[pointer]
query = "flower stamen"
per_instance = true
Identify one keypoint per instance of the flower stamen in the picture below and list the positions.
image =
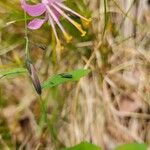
(77, 25)
(66, 35)
(73, 12)
(53, 27)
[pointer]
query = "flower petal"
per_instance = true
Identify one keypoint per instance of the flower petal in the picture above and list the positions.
(36, 23)
(33, 10)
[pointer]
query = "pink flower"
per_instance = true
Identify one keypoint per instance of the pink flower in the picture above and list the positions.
(52, 9)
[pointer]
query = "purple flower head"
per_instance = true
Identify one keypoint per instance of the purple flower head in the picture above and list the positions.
(52, 9)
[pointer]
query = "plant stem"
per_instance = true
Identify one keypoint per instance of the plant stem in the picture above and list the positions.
(105, 18)
(43, 117)
(26, 37)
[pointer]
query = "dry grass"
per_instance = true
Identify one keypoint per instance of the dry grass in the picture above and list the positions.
(109, 107)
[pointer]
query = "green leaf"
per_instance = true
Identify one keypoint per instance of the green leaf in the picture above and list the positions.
(132, 146)
(13, 72)
(84, 146)
(65, 77)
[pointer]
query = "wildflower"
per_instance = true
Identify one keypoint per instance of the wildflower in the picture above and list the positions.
(52, 9)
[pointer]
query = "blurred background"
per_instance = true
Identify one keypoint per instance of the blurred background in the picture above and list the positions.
(108, 107)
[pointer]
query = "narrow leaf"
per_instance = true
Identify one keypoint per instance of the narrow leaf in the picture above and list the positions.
(84, 146)
(65, 77)
(132, 146)
(12, 72)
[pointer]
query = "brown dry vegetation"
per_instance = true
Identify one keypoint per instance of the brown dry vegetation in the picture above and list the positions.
(108, 107)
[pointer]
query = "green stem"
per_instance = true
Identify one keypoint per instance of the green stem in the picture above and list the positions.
(105, 18)
(43, 117)
(26, 37)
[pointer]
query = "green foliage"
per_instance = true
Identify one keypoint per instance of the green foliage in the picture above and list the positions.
(64, 77)
(84, 146)
(13, 72)
(132, 146)
(88, 146)
(52, 81)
